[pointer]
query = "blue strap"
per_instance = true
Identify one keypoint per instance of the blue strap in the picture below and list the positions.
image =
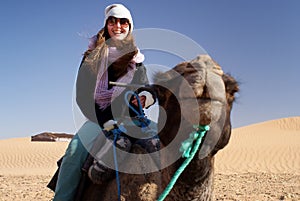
(117, 132)
(142, 121)
(138, 113)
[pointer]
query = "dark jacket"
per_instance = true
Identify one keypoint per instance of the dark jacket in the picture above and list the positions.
(85, 87)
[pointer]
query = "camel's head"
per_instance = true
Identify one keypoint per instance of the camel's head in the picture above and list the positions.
(198, 92)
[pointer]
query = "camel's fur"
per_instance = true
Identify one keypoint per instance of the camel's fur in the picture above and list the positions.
(211, 88)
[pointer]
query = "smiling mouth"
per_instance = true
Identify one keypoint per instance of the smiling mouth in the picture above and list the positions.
(118, 32)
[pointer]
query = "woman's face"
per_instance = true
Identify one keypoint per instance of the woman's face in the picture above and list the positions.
(118, 28)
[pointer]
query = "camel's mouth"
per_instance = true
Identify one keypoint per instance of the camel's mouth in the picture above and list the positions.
(201, 110)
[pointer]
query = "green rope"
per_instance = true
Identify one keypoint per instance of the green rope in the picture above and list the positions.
(189, 149)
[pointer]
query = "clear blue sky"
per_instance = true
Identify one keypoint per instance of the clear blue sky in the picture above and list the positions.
(42, 42)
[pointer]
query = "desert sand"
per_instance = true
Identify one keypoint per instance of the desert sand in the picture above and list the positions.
(261, 162)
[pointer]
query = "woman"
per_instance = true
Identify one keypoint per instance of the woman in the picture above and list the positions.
(111, 56)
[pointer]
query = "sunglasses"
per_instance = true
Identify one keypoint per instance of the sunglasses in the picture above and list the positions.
(124, 22)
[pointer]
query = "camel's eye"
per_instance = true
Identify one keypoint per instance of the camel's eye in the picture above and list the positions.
(189, 65)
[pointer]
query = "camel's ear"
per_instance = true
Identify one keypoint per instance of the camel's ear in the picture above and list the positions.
(231, 87)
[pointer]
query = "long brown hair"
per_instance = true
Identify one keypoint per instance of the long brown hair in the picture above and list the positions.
(126, 46)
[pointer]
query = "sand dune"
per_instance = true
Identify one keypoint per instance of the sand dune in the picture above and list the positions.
(272, 146)
(266, 153)
(20, 156)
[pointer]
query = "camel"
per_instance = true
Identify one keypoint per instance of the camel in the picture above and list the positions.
(195, 92)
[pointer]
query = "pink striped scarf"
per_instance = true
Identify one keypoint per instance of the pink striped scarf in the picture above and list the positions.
(104, 96)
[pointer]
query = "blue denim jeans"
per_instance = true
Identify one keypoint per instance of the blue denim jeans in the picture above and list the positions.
(74, 158)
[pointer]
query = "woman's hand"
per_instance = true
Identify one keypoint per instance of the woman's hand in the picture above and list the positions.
(142, 100)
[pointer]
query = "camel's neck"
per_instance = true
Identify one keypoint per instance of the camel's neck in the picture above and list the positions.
(169, 122)
(195, 183)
